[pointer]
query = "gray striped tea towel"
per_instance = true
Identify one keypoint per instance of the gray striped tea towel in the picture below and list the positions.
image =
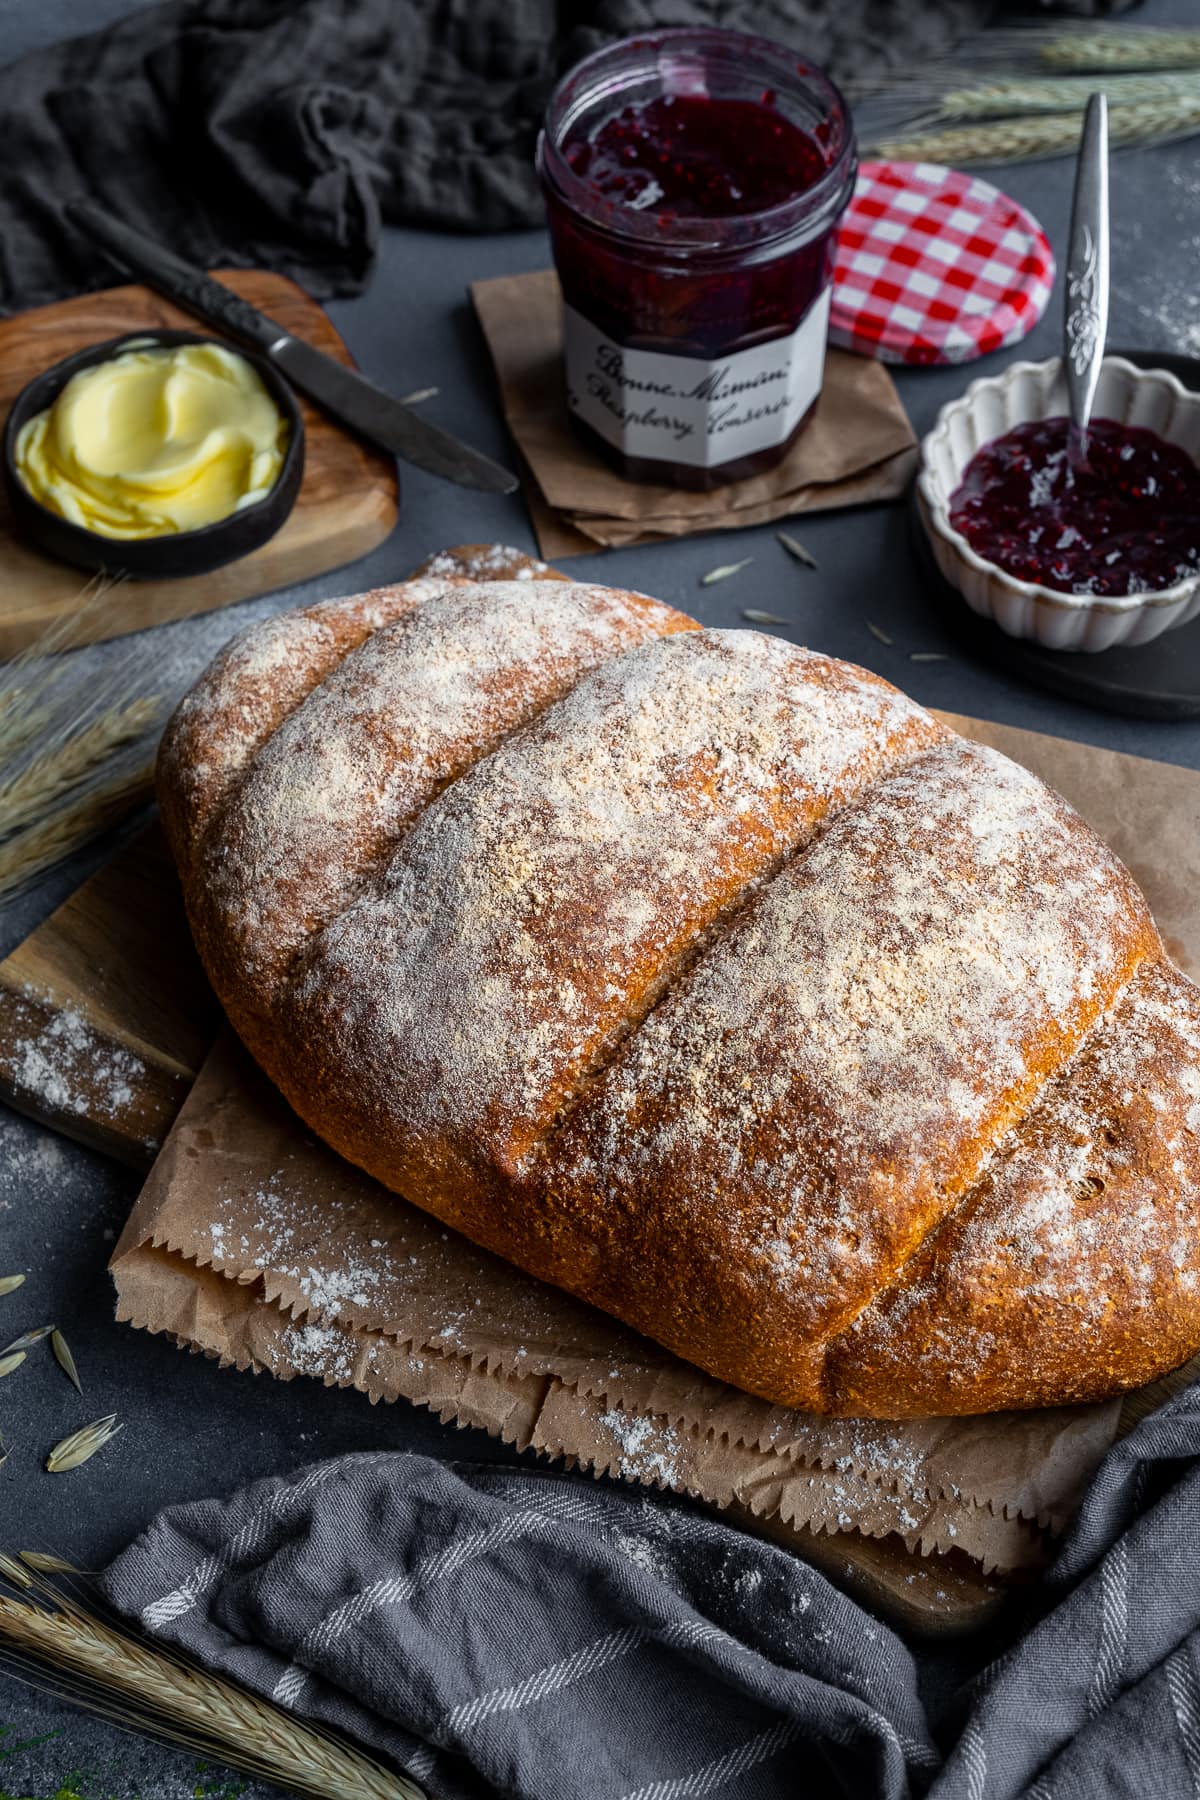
(498, 1630)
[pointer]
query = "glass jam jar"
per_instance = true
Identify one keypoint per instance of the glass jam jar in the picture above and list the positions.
(694, 180)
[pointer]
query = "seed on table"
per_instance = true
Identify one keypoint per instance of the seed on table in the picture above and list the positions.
(82, 1444)
(64, 1359)
(725, 571)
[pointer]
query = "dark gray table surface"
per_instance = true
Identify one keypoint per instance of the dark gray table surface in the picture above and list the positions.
(190, 1428)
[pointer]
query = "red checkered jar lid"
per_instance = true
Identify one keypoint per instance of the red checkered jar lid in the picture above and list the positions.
(934, 266)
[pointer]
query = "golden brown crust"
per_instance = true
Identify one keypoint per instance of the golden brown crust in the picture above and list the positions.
(450, 672)
(1071, 1270)
(708, 978)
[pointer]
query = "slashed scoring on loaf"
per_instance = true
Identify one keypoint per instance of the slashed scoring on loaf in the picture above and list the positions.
(828, 1080)
(1040, 1236)
(404, 713)
(539, 905)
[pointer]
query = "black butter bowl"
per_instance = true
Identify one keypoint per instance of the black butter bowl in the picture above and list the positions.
(176, 554)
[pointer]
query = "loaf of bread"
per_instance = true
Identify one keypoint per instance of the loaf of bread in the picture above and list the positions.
(709, 978)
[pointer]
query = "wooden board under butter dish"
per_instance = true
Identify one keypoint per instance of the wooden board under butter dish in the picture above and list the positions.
(348, 502)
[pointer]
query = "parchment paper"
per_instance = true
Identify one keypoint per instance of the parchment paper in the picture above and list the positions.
(858, 447)
(255, 1243)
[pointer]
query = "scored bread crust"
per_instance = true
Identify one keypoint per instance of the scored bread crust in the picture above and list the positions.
(708, 978)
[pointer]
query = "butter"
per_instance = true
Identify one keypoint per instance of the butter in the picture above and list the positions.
(156, 440)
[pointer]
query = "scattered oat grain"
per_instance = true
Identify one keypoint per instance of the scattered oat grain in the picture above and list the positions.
(795, 548)
(64, 1359)
(82, 1444)
(725, 571)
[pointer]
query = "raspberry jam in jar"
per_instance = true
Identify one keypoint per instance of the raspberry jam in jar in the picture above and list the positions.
(694, 181)
(1119, 516)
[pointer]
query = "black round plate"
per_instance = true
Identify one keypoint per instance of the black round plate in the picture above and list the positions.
(180, 553)
(1158, 680)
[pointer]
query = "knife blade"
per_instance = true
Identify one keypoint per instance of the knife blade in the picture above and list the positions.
(348, 396)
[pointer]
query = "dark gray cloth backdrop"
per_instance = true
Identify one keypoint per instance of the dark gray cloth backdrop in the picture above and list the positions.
(278, 133)
(545, 1637)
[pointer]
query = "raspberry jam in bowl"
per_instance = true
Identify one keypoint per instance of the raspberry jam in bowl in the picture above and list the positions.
(1117, 512)
(694, 181)
(1078, 546)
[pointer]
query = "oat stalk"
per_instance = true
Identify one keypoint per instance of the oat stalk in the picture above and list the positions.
(146, 1687)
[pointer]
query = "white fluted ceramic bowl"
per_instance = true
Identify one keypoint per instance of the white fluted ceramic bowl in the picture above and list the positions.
(1025, 609)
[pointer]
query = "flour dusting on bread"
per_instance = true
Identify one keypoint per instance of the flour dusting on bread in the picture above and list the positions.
(708, 978)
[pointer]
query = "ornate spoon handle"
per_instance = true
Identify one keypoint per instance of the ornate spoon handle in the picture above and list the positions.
(1085, 308)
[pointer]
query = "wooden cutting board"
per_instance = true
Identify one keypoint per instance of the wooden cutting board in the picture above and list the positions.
(348, 503)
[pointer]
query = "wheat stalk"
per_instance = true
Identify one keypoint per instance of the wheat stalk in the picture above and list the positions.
(1120, 47)
(29, 853)
(1028, 70)
(36, 672)
(50, 776)
(1019, 94)
(69, 728)
(1050, 134)
(20, 723)
(145, 1686)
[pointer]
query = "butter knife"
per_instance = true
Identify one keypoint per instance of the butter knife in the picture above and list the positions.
(341, 392)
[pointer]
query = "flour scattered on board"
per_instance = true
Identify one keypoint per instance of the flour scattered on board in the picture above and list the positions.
(67, 1065)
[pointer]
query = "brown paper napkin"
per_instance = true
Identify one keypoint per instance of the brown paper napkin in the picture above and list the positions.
(858, 447)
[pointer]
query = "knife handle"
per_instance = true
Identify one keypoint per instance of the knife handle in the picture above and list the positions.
(1085, 307)
(191, 288)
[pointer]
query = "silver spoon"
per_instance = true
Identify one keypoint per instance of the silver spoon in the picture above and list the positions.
(1085, 305)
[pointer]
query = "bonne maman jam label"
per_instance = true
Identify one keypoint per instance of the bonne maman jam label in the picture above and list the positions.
(685, 409)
